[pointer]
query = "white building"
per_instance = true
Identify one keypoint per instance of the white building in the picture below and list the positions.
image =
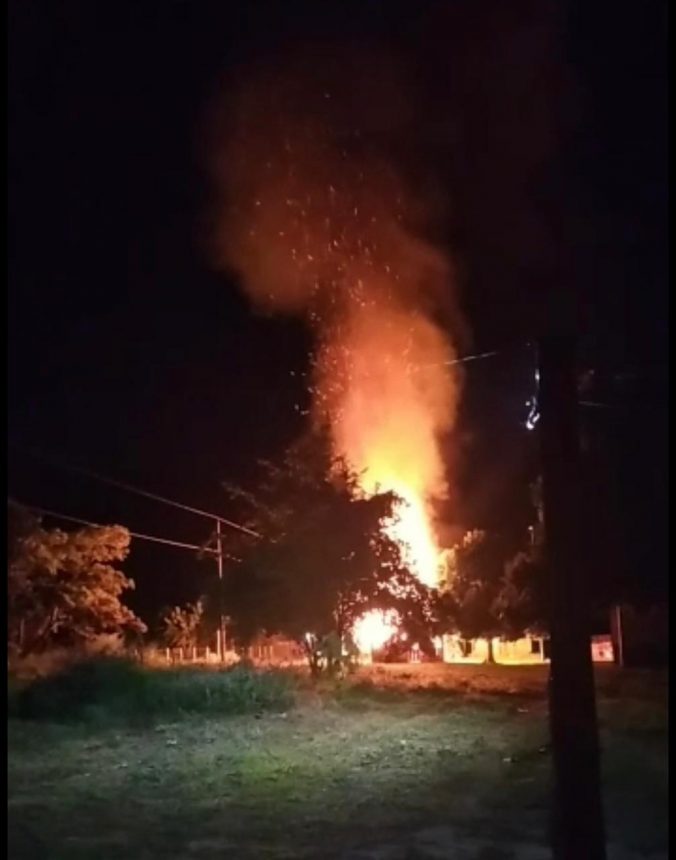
(526, 651)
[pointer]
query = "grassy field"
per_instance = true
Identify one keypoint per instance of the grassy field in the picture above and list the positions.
(399, 762)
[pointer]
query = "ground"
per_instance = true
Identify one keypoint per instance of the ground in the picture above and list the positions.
(414, 762)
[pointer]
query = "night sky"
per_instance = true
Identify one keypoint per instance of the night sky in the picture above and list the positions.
(131, 356)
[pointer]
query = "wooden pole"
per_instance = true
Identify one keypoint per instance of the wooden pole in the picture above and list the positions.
(578, 826)
(221, 619)
(619, 637)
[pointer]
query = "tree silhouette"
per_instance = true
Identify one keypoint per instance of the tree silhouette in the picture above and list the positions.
(323, 558)
(63, 587)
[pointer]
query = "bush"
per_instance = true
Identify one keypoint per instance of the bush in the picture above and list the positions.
(13, 697)
(114, 689)
(44, 663)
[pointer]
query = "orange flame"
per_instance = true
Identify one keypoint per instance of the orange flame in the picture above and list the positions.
(386, 388)
(413, 530)
(320, 223)
(374, 629)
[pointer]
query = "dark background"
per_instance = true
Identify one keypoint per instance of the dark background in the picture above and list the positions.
(130, 356)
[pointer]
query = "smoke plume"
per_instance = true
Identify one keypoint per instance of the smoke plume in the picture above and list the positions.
(318, 218)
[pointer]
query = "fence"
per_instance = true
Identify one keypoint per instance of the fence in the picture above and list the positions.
(194, 654)
(272, 651)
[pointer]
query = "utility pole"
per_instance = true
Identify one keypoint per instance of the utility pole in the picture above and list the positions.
(578, 826)
(618, 638)
(221, 620)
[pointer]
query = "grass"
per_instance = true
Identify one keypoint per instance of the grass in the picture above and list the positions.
(113, 689)
(415, 758)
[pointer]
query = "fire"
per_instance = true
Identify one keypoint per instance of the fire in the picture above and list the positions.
(318, 221)
(374, 629)
(413, 530)
(387, 402)
(411, 526)
(386, 391)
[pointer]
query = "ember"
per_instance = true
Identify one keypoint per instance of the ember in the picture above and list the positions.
(319, 222)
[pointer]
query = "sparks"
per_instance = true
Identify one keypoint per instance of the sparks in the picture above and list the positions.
(386, 381)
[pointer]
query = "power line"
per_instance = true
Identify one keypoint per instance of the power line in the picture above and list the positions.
(462, 360)
(595, 405)
(67, 518)
(466, 358)
(173, 503)
(140, 492)
(642, 407)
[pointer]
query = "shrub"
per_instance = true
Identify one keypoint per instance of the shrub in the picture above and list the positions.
(117, 689)
(44, 663)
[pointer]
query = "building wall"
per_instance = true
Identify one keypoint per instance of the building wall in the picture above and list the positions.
(522, 651)
(529, 650)
(602, 649)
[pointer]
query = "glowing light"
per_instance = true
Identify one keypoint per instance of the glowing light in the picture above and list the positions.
(375, 629)
(320, 230)
(387, 407)
(412, 530)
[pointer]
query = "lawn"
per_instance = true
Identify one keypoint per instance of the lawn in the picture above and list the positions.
(407, 762)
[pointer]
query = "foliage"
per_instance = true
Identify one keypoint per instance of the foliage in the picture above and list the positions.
(323, 557)
(493, 592)
(467, 605)
(520, 604)
(115, 689)
(182, 625)
(43, 663)
(62, 586)
(490, 595)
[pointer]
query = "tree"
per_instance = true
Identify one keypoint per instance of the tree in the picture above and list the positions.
(469, 603)
(491, 589)
(489, 594)
(323, 557)
(520, 605)
(182, 624)
(62, 586)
